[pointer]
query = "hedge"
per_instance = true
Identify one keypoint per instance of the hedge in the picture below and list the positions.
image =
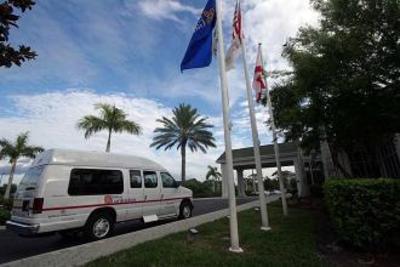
(6, 203)
(365, 212)
(4, 216)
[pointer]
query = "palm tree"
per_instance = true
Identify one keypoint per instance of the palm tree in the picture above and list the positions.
(14, 151)
(186, 128)
(111, 119)
(214, 174)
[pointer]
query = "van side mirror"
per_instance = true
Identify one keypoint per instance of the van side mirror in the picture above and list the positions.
(177, 184)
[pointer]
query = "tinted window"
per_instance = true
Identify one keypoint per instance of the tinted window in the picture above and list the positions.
(150, 179)
(136, 179)
(95, 182)
(167, 180)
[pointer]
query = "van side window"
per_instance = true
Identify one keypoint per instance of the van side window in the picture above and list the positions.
(95, 182)
(167, 180)
(150, 179)
(136, 179)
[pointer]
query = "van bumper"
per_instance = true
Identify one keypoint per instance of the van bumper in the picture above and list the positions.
(22, 228)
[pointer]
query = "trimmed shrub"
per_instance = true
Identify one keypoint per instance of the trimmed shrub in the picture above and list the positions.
(4, 216)
(201, 189)
(6, 203)
(4, 187)
(271, 184)
(365, 212)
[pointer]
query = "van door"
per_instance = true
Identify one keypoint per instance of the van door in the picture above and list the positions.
(152, 193)
(170, 200)
(135, 195)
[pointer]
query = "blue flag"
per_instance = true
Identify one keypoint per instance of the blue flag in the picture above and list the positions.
(199, 51)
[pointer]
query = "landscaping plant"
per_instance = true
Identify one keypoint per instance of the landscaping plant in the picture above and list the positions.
(365, 212)
(4, 216)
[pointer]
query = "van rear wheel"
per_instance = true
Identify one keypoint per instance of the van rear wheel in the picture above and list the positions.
(99, 226)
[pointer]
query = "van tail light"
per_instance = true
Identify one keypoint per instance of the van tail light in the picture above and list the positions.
(37, 205)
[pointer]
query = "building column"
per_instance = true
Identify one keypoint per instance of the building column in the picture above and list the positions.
(224, 181)
(326, 156)
(241, 183)
(305, 189)
(344, 160)
(396, 142)
(254, 182)
(301, 179)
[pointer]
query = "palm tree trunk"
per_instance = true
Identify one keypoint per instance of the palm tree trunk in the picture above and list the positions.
(183, 167)
(109, 141)
(10, 180)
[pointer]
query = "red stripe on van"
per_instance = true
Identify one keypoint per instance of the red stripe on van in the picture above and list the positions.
(101, 205)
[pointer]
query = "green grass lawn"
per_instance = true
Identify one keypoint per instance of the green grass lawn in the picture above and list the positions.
(290, 243)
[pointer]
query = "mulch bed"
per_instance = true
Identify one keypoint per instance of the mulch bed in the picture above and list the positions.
(338, 254)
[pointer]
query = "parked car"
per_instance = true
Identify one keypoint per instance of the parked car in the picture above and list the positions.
(66, 190)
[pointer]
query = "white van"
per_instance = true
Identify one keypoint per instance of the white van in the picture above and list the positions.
(66, 190)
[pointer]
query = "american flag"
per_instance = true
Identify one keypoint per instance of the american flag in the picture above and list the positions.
(237, 23)
(259, 82)
(237, 36)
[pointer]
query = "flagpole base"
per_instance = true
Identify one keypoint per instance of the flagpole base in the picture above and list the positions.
(236, 250)
(266, 229)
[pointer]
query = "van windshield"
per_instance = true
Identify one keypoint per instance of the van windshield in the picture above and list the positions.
(31, 177)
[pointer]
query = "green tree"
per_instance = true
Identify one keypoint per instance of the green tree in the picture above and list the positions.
(186, 129)
(213, 174)
(111, 119)
(10, 55)
(15, 150)
(346, 77)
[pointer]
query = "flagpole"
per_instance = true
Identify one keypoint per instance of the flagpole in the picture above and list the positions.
(234, 235)
(256, 144)
(276, 147)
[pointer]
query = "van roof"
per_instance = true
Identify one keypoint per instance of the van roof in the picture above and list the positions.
(95, 159)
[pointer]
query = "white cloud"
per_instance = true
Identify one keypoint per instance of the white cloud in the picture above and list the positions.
(165, 9)
(51, 119)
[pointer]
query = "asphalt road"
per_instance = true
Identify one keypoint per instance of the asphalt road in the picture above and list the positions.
(13, 247)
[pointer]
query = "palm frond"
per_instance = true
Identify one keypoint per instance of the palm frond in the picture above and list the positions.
(213, 172)
(31, 151)
(111, 118)
(20, 148)
(186, 127)
(91, 124)
(127, 126)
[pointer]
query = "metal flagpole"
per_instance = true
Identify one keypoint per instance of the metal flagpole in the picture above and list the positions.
(256, 144)
(276, 147)
(227, 136)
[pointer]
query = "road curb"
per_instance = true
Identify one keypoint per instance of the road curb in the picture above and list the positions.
(82, 254)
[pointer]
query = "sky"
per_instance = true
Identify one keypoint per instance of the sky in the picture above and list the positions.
(128, 53)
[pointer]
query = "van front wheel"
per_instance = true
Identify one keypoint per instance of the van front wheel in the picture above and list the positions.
(185, 210)
(99, 226)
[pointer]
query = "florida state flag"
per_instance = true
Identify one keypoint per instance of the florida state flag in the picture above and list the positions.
(259, 82)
